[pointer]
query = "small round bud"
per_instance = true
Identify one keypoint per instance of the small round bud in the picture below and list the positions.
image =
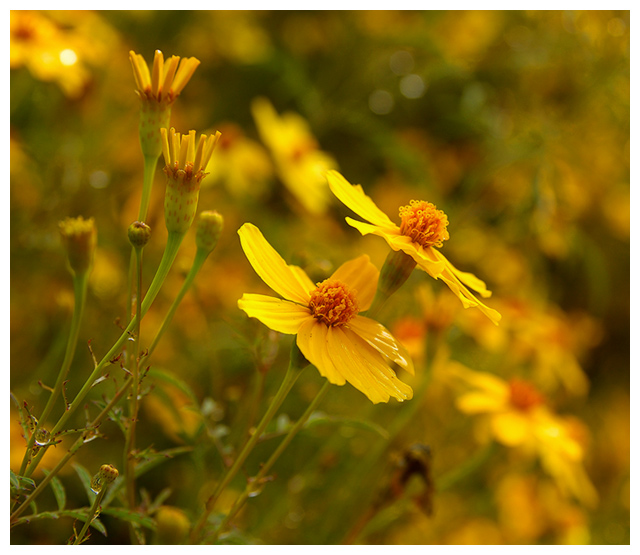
(208, 229)
(104, 477)
(139, 234)
(172, 526)
(79, 237)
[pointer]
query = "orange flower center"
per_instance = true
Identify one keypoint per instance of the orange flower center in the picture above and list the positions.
(333, 303)
(424, 223)
(523, 396)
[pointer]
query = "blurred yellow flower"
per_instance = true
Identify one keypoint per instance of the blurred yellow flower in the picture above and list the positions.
(422, 229)
(240, 163)
(341, 344)
(299, 162)
(517, 416)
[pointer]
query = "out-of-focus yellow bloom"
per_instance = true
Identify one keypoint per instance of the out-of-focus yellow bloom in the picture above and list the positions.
(240, 163)
(299, 163)
(341, 344)
(79, 237)
(517, 416)
(173, 410)
(423, 228)
(185, 165)
(56, 47)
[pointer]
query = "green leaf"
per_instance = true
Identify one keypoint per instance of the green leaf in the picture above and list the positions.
(78, 514)
(85, 478)
(319, 418)
(169, 378)
(58, 491)
(130, 516)
(155, 458)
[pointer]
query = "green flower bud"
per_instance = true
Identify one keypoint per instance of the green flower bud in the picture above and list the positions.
(139, 234)
(79, 237)
(208, 229)
(104, 477)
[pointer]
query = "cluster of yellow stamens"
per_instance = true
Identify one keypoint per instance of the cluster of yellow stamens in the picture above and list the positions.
(166, 80)
(424, 223)
(333, 303)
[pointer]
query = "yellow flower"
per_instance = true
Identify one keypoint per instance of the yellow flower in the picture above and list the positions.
(185, 167)
(518, 417)
(299, 162)
(157, 91)
(423, 228)
(341, 344)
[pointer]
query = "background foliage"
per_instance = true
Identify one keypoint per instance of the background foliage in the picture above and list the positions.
(515, 123)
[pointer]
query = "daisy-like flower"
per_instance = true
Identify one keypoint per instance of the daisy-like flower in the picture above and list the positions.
(517, 416)
(300, 163)
(330, 333)
(185, 167)
(422, 231)
(157, 90)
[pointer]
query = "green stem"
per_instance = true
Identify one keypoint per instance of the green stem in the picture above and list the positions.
(296, 365)
(198, 261)
(95, 508)
(171, 250)
(257, 480)
(130, 441)
(72, 451)
(150, 163)
(80, 294)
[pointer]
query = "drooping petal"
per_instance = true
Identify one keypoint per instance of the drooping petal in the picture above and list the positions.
(381, 339)
(271, 267)
(354, 198)
(360, 275)
(465, 277)
(364, 367)
(279, 315)
(312, 341)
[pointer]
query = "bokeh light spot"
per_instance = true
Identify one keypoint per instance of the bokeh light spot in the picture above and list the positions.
(412, 86)
(381, 102)
(68, 57)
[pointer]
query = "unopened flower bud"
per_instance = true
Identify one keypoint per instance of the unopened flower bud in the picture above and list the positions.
(209, 227)
(172, 526)
(79, 237)
(139, 234)
(104, 477)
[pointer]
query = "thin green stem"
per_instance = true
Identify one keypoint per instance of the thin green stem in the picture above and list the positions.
(150, 164)
(296, 365)
(256, 482)
(171, 250)
(95, 508)
(72, 451)
(80, 296)
(130, 441)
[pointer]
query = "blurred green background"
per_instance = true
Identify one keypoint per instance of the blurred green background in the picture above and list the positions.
(515, 123)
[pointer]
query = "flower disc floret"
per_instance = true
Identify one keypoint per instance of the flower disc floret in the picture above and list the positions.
(333, 303)
(523, 396)
(424, 223)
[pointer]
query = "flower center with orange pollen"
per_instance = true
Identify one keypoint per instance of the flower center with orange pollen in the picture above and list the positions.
(523, 396)
(424, 223)
(333, 303)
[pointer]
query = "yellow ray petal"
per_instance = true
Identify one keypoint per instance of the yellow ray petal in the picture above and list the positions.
(271, 267)
(364, 368)
(354, 198)
(360, 275)
(279, 315)
(312, 341)
(381, 339)
(477, 402)
(465, 277)
(511, 428)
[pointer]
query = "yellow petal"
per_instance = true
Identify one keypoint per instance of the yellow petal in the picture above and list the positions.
(465, 277)
(364, 368)
(478, 402)
(511, 428)
(271, 267)
(360, 275)
(380, 338)
(279, 315)
(312, 341)
(354, 198)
